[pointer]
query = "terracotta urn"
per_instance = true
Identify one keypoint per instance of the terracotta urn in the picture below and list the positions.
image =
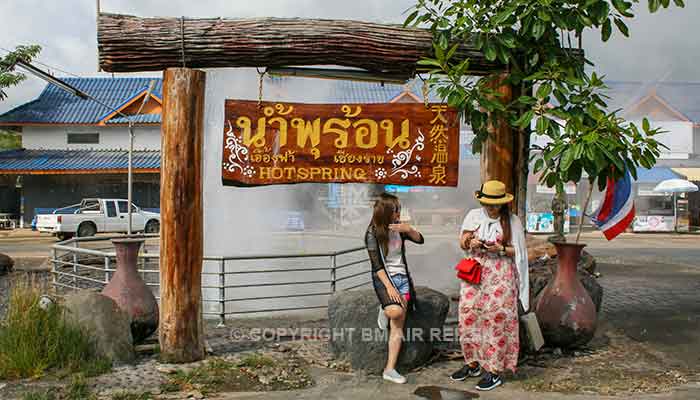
(130, 292)
(565, 311)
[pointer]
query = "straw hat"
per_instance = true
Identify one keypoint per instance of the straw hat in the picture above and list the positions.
(493, 192)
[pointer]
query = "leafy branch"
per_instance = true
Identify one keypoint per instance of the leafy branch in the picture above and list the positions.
(532, 39)
(529, 37)
(8, 76)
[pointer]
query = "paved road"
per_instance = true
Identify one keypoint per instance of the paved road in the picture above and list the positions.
(27, 246)
(642, 249)
(656, 304)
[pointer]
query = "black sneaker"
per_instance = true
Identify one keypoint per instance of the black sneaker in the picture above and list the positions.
(466, 371)
(489, 381)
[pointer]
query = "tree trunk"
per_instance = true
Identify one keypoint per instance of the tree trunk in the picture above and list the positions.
(558, 209)
(521, 154)
(521, 173)
(130, 44)
(497, 150)
(181, 248)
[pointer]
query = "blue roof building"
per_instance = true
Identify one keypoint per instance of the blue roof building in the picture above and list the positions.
(57, 107)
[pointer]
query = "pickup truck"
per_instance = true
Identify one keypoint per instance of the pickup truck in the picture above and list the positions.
(94, 216)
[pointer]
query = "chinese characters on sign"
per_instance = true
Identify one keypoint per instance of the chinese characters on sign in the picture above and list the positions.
(279, 143)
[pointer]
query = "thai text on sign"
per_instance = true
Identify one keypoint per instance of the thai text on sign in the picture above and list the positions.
(400, 144)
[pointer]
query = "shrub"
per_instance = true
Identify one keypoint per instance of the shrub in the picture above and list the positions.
(36, 339)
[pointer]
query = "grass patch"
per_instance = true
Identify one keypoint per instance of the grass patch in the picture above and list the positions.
(76, 390)
(170, 386)
(132, 396)
(256, 361)
(35, 339)
(47, 395)
(254, 372)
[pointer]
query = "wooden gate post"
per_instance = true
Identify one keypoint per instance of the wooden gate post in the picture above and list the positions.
(181, 244)
(497, 151)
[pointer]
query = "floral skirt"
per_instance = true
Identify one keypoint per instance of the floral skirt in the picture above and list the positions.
(488, 316)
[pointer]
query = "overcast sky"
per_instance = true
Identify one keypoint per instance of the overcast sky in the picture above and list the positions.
(663, 46)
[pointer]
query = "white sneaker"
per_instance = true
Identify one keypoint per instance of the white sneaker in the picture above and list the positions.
(393, 376)
(382, 320)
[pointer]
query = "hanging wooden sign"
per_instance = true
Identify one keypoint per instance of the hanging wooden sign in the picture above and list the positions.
(398, 143)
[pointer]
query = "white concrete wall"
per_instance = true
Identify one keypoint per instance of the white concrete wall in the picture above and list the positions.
(678, 138)
(111, 137)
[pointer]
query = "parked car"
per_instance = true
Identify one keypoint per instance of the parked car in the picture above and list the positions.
(93, 216)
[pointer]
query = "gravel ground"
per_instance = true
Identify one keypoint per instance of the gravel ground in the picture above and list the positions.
(641, 362)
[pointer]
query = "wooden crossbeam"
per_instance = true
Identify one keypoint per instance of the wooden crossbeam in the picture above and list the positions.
(132, 44)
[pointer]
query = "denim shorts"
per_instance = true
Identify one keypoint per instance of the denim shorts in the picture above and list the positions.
(401, 283)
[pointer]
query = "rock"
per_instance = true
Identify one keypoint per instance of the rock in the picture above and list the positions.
(590, 283)
(587, 263)
(538, 248)
(45, 302)
(167, 369)
(355, 336)
(108, 326)
(195, 394)
(7, 264)
(541, 272)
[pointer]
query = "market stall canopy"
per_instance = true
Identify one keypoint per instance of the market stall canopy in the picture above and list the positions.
(655, 175)
(676, 186)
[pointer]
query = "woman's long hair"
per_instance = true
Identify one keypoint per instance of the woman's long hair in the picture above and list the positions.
(505, 224)
(382, 216)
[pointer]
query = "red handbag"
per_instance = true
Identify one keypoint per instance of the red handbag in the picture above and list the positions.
(469, 270)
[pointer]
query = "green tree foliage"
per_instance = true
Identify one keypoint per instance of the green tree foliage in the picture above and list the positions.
(556, 87)
(9, 141)
(8, 76)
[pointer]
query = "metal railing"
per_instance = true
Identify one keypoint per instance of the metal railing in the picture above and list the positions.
(77, 266)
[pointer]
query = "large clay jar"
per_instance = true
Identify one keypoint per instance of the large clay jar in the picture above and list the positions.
(130, 292)
(565, 310)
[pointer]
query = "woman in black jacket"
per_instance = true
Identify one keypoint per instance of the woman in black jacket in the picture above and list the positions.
(385, 240)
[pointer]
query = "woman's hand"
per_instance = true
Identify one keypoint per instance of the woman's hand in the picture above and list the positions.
(495, 247)
(465, 239)
(396, 296)
(401, 228)
(475, 244)
(407, 229)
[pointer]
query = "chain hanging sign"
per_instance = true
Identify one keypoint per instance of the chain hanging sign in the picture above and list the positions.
(400, 144)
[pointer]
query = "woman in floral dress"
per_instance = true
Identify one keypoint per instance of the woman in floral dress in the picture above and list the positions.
(488, 311)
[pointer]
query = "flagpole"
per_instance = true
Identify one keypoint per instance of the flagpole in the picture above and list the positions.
(130, 175)
(583, 211)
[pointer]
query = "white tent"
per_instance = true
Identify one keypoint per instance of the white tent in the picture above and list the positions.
(675, 186)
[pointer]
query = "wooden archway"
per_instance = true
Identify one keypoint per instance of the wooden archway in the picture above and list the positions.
(178, 46)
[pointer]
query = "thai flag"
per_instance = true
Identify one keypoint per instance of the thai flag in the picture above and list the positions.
(616, 212)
